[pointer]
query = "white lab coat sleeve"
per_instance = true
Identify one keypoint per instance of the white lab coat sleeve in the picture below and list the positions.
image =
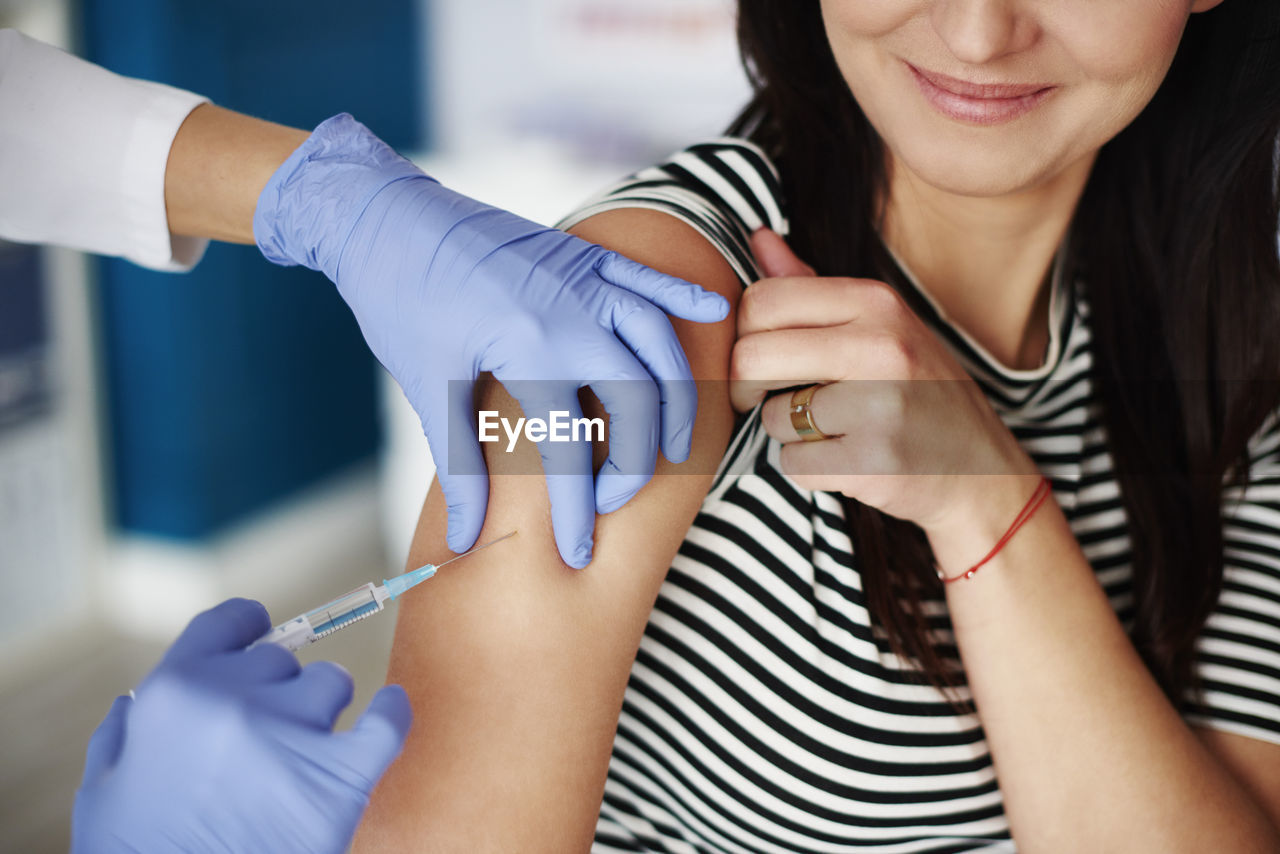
(83, 154)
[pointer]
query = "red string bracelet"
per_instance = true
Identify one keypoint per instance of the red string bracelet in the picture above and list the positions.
(1033, 504)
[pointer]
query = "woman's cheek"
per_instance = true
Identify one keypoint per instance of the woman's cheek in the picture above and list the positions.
(1119, 42)
(868, 18)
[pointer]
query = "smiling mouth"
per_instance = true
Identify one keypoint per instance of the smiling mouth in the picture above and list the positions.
(978, 103)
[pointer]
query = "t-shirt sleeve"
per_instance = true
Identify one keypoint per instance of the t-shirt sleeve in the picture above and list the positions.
(724, 189)
(1238, 654)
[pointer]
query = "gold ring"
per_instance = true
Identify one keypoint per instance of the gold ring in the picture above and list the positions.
(802, 415)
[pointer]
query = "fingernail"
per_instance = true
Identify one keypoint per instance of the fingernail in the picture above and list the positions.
(581, 556)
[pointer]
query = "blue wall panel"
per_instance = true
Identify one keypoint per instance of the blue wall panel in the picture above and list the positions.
(235, 385)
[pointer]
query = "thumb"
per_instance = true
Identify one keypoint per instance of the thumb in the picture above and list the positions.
(375, 741)
(107, 740)
(775, 256)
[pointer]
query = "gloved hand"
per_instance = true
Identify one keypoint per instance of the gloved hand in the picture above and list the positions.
(445, 287)
(229, 750)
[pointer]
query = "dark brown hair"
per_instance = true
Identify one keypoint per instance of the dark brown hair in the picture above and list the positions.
(1174, 241)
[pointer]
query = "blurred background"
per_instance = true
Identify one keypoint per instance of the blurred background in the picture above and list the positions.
(167, 441)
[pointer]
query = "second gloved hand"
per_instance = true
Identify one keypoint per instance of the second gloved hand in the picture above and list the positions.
(445, 287)
(232, 750)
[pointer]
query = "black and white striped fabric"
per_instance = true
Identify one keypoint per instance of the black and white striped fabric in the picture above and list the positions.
(762, 715)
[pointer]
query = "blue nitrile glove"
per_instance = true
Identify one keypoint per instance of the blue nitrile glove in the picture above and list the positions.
(445, 287)
(232, 750)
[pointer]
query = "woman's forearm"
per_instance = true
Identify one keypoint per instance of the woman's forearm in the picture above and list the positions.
(218, 165)
(1090, 754)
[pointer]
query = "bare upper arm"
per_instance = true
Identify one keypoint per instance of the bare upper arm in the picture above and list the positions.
(1254, 763)
(515, 663)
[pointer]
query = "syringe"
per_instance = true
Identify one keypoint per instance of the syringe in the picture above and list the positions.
(364, 601)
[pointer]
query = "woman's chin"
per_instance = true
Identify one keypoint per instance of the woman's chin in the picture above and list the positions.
(978, 173)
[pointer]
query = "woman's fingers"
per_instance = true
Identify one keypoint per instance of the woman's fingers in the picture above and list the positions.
(862, 408)
(823, 410)
(795, 302)
(766, 361)
(790, 303)
(795, 327)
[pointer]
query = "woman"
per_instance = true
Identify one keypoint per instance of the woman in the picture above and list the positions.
(1085, 197)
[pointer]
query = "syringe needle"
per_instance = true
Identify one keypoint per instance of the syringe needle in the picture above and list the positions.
(476, 549)
(362, 602)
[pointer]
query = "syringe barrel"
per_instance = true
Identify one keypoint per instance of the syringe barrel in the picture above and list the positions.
(348, 608)
(328, 618)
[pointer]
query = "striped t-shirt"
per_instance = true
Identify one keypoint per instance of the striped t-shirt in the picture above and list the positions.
(762, 715)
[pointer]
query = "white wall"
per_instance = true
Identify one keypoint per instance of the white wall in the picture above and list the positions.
(600, 76)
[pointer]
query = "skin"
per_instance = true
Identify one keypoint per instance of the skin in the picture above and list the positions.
(977, 212)
(218, 164)
(534, 738)
(1050, 729)
(516, 666)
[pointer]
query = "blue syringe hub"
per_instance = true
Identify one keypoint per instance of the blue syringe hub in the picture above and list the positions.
(398, 585)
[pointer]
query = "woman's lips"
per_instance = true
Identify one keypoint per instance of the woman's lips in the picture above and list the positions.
(978, 103)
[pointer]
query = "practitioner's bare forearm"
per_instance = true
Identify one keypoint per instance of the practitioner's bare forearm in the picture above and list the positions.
(217, 168)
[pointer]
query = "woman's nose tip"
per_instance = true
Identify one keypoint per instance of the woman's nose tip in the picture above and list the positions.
(979, 31)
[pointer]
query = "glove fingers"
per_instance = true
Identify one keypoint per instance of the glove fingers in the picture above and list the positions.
(316, 696)
(633, 402)
(378, 736)
(459, 465)
(264, 664)
(672, 295)
(566, 464)
(649, 335)
(106, 741)
(232, 625)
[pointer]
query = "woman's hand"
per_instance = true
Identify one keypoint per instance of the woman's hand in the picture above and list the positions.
(904, 421)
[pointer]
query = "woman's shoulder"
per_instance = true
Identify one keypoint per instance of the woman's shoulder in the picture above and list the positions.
(723, 188)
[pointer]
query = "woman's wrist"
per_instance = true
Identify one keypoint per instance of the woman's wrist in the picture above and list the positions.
(981, 513)
(1039, 569)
